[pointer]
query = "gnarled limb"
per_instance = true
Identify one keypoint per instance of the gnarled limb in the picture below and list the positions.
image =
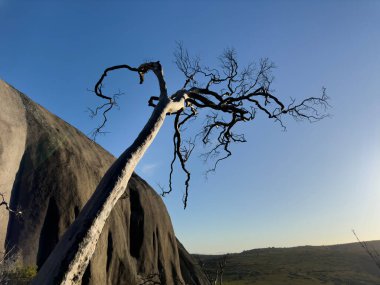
(69, 259)
(112, 101)
(4, 203)
(232, 95)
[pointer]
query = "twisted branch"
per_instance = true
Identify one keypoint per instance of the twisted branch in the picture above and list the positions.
(7, 207)
(232, 95)
(112, 101)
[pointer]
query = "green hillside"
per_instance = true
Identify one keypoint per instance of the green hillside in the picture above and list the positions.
(306, 265)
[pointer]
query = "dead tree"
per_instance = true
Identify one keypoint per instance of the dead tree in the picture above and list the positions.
(4, 203)
(221, 266)
(372, 252)
(211, 278)
(230, 95)
(214, 275)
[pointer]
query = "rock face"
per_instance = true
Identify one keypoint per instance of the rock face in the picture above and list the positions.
(49, 170)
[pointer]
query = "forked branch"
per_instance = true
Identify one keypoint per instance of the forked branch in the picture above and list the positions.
(226, 96)
(112, 101)
(4, 203)
(232, 95)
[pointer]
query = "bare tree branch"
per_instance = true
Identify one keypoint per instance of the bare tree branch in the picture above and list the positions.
(3, 202)
(231, 94)
(373, 253)
(112, 101)
(214, 275)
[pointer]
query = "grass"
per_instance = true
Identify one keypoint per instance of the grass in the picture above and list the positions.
(307, 265)
(22, 274)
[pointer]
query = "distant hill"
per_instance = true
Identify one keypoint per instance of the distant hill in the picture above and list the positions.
(304, 265)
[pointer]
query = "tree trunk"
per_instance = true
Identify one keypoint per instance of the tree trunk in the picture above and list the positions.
(69, 259)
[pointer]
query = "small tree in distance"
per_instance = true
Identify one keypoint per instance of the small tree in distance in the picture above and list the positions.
(215, 275)
(230, 95)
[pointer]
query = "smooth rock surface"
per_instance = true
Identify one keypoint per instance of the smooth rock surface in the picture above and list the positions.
(50, 169)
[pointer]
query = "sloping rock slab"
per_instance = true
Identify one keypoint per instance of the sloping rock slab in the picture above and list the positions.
(51, 174)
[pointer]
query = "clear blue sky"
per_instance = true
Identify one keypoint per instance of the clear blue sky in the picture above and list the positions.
(309, 185)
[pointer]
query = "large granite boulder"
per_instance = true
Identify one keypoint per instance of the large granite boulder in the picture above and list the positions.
(49, 169)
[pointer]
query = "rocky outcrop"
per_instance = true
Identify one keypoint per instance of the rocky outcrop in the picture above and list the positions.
(50, 169)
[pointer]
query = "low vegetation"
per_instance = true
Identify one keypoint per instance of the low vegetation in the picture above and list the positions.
(306, 265)
(11, 272)
(21, 275)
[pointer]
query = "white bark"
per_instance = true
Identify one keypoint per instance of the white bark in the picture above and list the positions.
(68, 261)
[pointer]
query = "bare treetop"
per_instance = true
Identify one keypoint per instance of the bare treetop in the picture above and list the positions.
(231, 94)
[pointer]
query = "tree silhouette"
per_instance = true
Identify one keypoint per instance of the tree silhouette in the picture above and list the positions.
(214, 275)
(230, 95)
